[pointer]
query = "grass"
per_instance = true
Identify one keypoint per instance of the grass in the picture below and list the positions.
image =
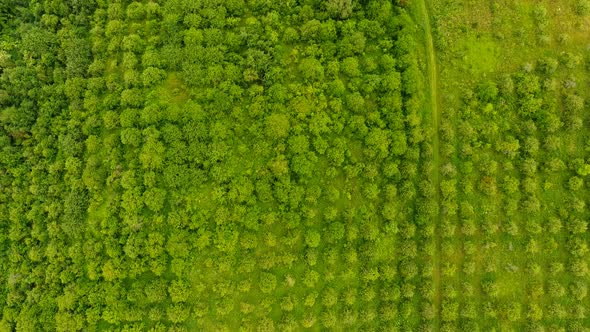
(480, 55)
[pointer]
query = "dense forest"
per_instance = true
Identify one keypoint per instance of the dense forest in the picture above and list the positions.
(213, 165)
(294, 165)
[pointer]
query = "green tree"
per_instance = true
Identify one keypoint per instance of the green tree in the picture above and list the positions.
(330, 297)
(350, 67)
(131, 136)
(582, 7)
(329, 319)
(339, 8)
(178, 313)
(311, 69)
(152, 155)
(136, 11)
(154, 199)
(312, 238)
(268, 282)
(310, 278)
(487, 92)
(152, 76)
(179, 291)
(277, 125)
(575, 183)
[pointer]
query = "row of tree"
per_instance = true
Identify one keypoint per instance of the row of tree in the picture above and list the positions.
(513, 203)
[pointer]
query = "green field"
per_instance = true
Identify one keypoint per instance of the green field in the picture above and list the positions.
(295, 165)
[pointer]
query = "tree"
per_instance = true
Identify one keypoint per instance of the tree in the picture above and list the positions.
(335, 232)
(152, 155)
(265, 324)
(177, 245)
(178, 313)
(64, 321)
(249, 241)
(308, 320)
(132, 98)
(350, 67)
(152, 76)
(329, 319)
(179, 291)
(449, 311)
(356, 102)
(513, 311)
(310, 278)
(577, 226)
(399, 144)
(311, 69)
(312, 238)
(579, 290)
(303, 165)
(268, 282)
(490, 288)
(487, 92)
(391, 82)
(311, 257)
(378, 141)
(298, 144)
(288, 303)
(553, 225)
(573, 103)
(339, 8)
(136, 11)
(582, 7)
(408, 269)
(155, 291)
(310, 299)
(131, 136)
(575, 183)
(277, 125)
(133, 43)
(579, 268)
(288, 324)
(154, 199)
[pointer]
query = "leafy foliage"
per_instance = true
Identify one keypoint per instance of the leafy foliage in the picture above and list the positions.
(275, 166)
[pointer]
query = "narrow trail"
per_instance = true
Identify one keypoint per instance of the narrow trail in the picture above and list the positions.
(424, 13)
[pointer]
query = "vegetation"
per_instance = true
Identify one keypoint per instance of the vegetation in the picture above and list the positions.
(215, 165)
(346, 165)
(514, 149)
